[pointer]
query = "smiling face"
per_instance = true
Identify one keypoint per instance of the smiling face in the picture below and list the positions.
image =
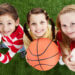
(7, 25)
(67, 22)
(38, 24)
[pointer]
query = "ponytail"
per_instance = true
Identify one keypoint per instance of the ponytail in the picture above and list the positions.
(53, 29)
(26, 32)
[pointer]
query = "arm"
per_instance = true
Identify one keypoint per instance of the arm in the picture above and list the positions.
(5, 58)
(66, 58)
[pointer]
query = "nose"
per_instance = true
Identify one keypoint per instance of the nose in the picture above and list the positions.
(5, 28)
(38, 26)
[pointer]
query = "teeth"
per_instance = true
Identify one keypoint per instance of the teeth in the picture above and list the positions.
(38, 32)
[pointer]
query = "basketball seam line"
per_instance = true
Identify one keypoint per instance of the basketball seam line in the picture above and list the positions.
(43, 64)
(43, 51)
(45, 58)
(38, 56)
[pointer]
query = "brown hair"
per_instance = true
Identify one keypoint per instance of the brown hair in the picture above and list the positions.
(38, 11)
(6, 8)
(65, 40)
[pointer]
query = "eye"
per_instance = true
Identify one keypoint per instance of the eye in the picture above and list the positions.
(63, 25)
(1, 23)
(42, 22)
(9, 23)
(33, 24)
(72, 23)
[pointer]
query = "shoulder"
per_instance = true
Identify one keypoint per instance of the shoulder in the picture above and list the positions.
(72, 45)
(25, 37)
(20, 29)
(49, 26)
(26, 41)
(49, 29)
(18, 33)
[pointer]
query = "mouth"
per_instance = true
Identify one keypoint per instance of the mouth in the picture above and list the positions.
(39, 31)
(5, 33)
(71, 33)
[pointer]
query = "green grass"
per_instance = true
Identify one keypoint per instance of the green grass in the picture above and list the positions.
(18, 66)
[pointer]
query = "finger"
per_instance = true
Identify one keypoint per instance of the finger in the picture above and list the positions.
(72, 63)
(72, 68)
(69, 56)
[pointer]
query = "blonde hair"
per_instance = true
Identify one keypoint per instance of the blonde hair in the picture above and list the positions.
(65, 40)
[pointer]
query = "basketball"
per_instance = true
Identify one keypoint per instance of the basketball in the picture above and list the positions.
(42, 54)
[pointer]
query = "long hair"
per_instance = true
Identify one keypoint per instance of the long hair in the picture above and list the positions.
(38, 11)
(65, 39)
(26, 32)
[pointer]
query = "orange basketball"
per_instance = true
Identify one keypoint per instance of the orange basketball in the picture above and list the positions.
(42, 54)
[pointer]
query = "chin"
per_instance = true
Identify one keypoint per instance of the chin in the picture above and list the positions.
(7, 34)
(73, 39)
(39, 36)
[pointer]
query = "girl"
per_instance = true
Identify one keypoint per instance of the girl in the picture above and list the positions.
(38, 23)
(11, 32)
(66, 34)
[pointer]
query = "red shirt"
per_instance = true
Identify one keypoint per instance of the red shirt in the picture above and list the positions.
(14, 42)
(59, 38)
(72, 45)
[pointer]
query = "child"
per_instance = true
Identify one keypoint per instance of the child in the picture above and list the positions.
(11, 32)
(38, 23)
(66, 34)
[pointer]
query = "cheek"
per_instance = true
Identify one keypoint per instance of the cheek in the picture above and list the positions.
(62, 29)
(32, 28)
(1, 28)
(12, 28)
(45, 27)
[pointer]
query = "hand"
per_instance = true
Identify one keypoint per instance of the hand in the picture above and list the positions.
(73, 55)
(70, 64)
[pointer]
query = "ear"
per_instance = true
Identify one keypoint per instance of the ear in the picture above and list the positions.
(17, 22)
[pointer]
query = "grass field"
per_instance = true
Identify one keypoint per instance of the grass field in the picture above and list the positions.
(18, 66)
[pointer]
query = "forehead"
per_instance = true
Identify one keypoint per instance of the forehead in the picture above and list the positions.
(37, 16)
(5, 16)
(67, 17)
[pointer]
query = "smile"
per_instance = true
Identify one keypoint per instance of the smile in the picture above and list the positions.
(39, 31)
(71, 33)
(6, 32)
